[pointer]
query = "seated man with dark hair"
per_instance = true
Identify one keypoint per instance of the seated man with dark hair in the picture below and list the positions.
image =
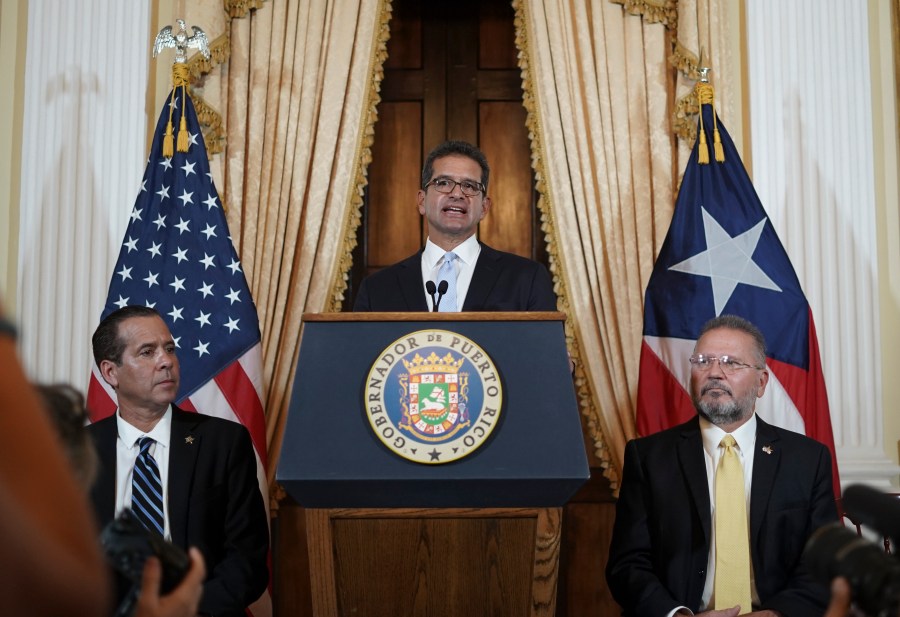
(188, 476)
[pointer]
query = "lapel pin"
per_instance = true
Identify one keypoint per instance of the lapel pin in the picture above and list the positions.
(767, 449)
(190, 439)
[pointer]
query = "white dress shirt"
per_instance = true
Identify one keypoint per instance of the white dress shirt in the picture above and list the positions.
(127, 451)
(432, 258)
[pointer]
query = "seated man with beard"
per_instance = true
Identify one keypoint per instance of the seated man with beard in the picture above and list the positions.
(713, 514)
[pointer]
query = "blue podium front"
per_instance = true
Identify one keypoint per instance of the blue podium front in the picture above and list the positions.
(340, 450)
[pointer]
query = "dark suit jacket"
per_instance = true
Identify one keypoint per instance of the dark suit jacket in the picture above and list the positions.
(214, 504)
(660, 544)
(501, 282)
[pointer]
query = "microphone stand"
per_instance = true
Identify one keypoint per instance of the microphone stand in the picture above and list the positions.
(441, 290)
(431, 289)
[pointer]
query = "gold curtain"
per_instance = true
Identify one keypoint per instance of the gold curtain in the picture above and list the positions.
(603, 109)
(297, 99)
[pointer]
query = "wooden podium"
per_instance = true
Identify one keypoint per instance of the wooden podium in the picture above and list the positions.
(389, 536)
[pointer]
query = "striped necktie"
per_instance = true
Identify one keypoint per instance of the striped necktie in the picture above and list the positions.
(732, 584)
(448, 273)
(146, 489)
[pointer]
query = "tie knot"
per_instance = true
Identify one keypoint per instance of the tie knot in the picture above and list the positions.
(727, 442)
(144, 443)
(450, 257)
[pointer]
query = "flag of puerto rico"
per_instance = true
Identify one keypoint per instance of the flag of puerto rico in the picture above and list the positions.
(722, 255)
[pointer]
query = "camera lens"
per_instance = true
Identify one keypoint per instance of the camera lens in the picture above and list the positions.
(874, 577)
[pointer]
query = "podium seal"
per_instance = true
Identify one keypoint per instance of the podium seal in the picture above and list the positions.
(433, 396)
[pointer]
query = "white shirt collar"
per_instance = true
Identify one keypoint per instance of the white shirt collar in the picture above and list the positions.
(161, 433)
(467, 252)
(744, 435)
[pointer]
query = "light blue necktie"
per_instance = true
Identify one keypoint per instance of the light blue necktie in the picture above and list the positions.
(146, 489)
(448, 273)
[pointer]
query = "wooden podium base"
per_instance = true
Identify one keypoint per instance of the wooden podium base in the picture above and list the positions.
(433, 562)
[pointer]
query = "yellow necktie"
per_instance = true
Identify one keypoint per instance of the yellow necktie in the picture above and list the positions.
(732, 543)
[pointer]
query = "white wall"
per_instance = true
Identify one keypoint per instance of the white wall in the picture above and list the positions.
(813, 137)
(82, 158)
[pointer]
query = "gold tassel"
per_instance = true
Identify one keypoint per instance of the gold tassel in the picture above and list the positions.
(706, 96)
(703, 150)
(182, 128)
(180, 77)
(717, 140)
(168, 148)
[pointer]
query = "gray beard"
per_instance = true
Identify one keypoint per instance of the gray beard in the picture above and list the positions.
(721, 412)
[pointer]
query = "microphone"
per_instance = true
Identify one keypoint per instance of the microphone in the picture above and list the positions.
(430, 288)
(441, 290)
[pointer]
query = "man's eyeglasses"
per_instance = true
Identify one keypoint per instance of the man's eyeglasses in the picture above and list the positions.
(446, 186)
(729, 365)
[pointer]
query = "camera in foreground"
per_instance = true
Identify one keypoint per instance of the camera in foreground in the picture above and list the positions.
(835, 550)
(127, 545)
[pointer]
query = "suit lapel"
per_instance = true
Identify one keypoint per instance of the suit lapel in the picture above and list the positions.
(483, 278)
(690, 456)
(765, 464)
(409, 277)
(184, 447)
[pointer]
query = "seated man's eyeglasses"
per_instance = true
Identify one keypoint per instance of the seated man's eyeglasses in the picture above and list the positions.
(728, 364)
(446, 186)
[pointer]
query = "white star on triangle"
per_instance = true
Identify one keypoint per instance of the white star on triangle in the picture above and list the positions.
(206, 290)
(182, 226)
(727, 261)
(232, 325)
(210, 231)
(121, 302)
(166, 162)
(160, 222)
(207, 261)
(178, 284)
(188, 168)
(136, 214)
(125, 273)
(186, 198)
(163, 192)
(235, 266)
(180, 254)
(154, 250)
(233, 295)
(131, 244)
(175, 314)
(211, 202)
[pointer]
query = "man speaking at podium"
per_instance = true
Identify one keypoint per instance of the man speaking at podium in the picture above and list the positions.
(455, 272)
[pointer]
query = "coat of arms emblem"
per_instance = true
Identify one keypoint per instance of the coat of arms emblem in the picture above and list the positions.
(433, 396)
